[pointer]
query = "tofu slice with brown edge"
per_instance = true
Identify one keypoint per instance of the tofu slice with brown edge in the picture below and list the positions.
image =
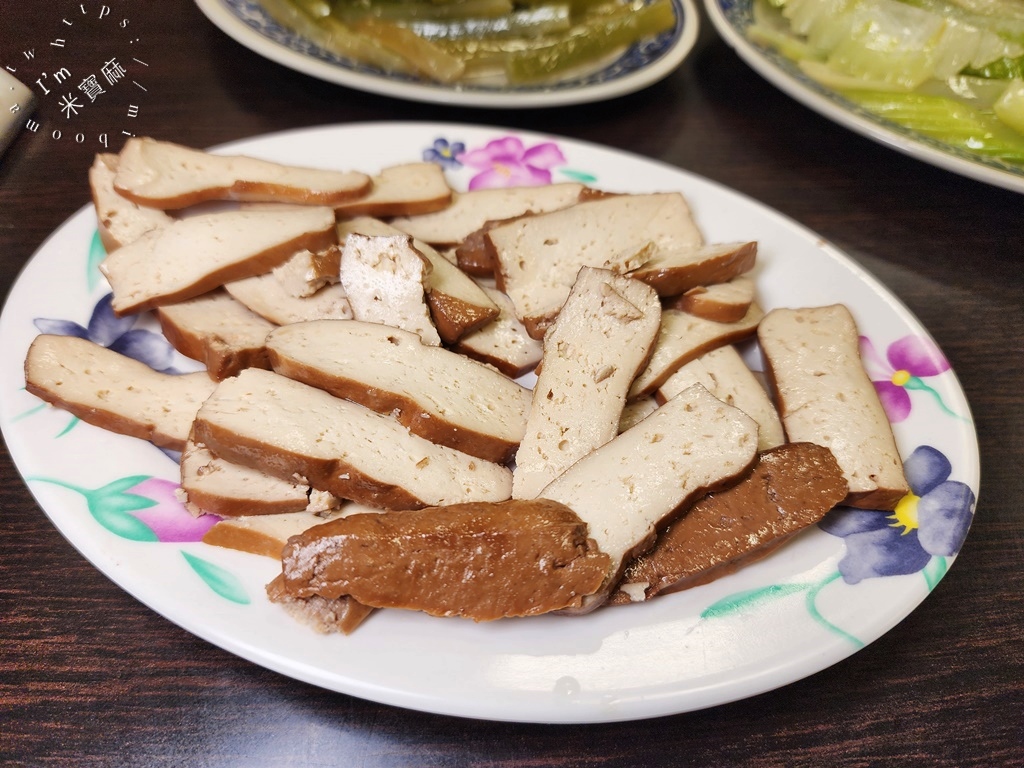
(684, 337)
(469, 211)
(211, 484)
(674, 270)
(482, 561)
(267, 534)
(457, 304)
(636, 484)
(474, 256)
(113, 391)
(267, 296)
(725, 375)
(165, 175)
(196, 254)
(119, 221)
(385, 280)
(721, 302)
(283, 427)
(301, 277)
(824, 396)
(601, 338)
(636, 411)
(410, 189)
(503, 342)
(218, 331)
(791, 487)
(539, 256)
(438, 394)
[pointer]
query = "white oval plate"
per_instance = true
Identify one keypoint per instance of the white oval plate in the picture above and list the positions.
(638, 67)
(776, 621)
(732, 17)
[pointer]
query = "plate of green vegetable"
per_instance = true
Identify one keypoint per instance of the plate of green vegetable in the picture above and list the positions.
(486, 53)
(939, 80)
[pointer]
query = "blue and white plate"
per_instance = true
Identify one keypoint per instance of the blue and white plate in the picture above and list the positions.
(732, 18)
(637, 67)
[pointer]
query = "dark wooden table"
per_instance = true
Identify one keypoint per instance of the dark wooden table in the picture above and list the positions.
(89, 676)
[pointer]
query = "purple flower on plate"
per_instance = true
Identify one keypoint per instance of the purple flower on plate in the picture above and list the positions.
(930, 521)
(444, 153)
(117, 334)
(908, 361)
(507, 162)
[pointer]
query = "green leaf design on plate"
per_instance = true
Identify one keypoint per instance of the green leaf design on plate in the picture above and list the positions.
(110, 504)
(72, 423)
(97, 253)
(915, 383)
(580, 176)
(30, 411)
(752, 598)
(812, 608)
(220, 580)
(742, 600)
(934, 571)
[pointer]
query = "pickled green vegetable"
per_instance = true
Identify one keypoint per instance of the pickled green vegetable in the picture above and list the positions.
(592, 40)
(355, 10)
(333, 36)
(524, 41)
(529, 22)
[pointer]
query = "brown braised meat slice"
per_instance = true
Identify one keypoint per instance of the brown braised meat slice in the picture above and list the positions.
(340, 614)
(479, 560)
(791, 487)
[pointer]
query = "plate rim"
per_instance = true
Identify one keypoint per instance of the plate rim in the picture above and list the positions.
(832, 653)
(875, 129)
(222, 17)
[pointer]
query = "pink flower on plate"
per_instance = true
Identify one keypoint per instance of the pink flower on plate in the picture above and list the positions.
(507, 162)
(141, 508)
(168, 518)
(908, 361)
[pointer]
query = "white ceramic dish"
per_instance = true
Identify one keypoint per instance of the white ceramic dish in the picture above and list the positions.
(638, 67)
(732, 17)
(774, 622)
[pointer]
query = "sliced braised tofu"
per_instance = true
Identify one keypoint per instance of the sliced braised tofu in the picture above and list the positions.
(469, 211)
(725, 375)
(675, 269)
(119, 220)
(825, 397)
(218, 331)
(684, 337)
(285, 428)
(592, 352)
(457, 304)
(166, 175)
(115, 392)
(402, 190)
(440, 395)
(721, 302)
(637, 483)
(194, 255)
(538, 257)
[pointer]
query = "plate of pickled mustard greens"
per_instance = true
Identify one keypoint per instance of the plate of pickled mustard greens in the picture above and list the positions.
(487, 53)
(939, 80)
